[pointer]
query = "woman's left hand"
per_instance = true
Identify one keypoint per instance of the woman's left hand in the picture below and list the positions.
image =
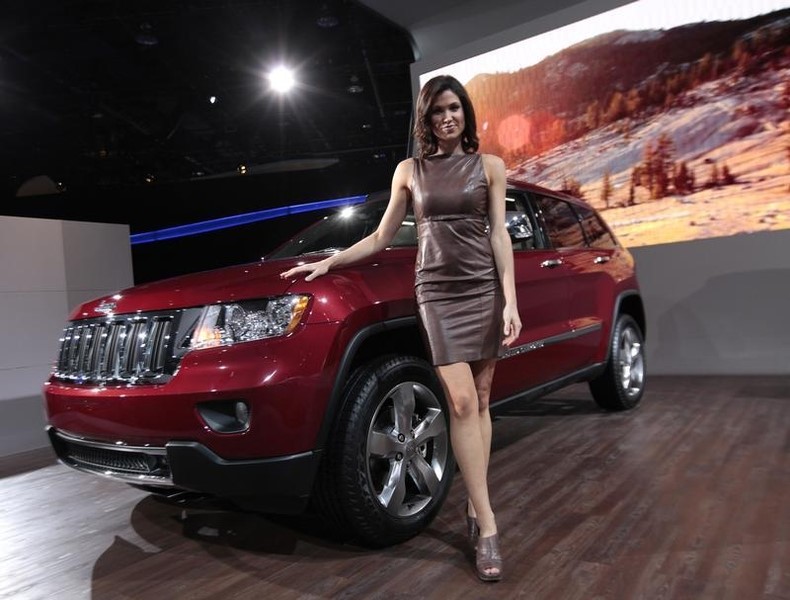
(512, 324)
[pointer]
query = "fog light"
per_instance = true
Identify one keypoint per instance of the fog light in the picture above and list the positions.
(243, 413)
(225, 416)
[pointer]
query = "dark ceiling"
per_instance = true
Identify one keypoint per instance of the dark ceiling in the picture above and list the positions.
(117, 92)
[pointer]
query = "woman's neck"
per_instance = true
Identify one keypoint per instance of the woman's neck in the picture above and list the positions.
(447, 149)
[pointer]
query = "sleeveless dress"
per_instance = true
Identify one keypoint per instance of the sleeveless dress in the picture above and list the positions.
(457, 286)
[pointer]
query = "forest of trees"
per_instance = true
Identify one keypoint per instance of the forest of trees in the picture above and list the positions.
(662, 176)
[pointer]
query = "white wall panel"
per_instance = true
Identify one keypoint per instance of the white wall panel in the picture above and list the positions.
(31, 322)
(46, 268)
(718, 306)
(31, 255)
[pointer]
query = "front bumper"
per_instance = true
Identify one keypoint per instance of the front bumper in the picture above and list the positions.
(279, 485)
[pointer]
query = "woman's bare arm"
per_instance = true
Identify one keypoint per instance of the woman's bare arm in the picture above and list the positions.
(376, 241)
(500, 244)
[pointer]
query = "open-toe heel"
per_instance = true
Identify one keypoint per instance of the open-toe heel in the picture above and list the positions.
(488, 561)
(472, 528)
(472, 531)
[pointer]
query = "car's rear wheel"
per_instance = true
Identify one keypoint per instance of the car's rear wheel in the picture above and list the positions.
(389, 465)
(621, 385)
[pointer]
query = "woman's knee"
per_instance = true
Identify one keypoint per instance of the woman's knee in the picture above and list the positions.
(464, 405)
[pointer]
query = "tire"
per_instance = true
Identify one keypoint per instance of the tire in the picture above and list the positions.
(621, 385)
(389, 465)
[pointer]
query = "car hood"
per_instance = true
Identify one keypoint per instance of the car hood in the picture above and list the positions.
(252, 280)
(393, 269)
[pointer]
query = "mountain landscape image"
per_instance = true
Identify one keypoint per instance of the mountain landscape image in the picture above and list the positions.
(674, 134)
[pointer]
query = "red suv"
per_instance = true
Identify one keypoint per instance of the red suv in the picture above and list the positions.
(273, 393)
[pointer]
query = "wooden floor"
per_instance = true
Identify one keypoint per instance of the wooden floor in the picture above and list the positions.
(686, 497)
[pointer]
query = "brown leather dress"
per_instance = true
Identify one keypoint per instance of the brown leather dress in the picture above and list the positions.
(457, 286)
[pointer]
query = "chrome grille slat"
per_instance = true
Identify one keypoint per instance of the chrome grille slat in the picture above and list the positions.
(119, 349)
(109, 362)
(158, 338)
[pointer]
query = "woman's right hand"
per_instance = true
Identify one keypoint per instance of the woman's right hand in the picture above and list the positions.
(313, 270)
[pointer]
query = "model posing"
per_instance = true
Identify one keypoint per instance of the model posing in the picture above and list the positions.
(464, 281)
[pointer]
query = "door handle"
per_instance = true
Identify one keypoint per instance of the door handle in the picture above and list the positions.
(551, 263)
(599, 260)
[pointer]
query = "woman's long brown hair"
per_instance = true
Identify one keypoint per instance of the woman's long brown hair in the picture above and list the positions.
(423, 133)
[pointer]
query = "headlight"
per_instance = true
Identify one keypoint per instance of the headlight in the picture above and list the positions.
(222, 324)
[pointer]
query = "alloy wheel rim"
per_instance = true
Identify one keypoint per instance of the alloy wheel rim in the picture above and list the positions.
(632, 363)
(407, 449)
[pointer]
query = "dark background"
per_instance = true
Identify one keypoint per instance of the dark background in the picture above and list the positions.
(106, 116)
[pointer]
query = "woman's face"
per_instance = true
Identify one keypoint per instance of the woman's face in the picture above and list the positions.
(447, 117)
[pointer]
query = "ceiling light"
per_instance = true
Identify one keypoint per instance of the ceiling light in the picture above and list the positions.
(146, 37)
(281, 79)
(326, 18)
(212, 99)
(355, 87)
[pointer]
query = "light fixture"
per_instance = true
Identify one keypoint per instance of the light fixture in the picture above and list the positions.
(326, 17)
(146, 37)
(212, 99)
(281, 79)
(355, 87)
(242, 169)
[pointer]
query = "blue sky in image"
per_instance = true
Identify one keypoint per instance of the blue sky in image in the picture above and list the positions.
(636, 16)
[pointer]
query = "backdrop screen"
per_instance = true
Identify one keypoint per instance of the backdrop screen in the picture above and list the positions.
(670, 116)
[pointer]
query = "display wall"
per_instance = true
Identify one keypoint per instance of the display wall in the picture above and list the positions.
(714, 306)
(47, 267)
(670, 117)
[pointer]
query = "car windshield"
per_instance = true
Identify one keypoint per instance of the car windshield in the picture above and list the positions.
(344, 229)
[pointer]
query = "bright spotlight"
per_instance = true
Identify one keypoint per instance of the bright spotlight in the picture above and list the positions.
(281, 79)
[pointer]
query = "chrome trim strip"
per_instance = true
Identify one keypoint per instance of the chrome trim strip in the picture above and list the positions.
(158, 480)
(555, 339)
(120, 447)
(108, 472)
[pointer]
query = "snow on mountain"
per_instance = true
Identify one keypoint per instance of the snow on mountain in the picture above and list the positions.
(634, 37)
(707, 118)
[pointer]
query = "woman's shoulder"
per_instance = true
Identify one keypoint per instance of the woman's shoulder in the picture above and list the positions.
(405, 166)
(492, 161)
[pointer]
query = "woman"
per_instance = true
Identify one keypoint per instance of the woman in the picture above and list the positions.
(464, 281)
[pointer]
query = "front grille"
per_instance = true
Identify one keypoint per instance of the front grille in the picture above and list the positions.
(121, 349)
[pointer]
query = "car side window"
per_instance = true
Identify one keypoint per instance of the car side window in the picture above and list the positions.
(597, 234)
(407, 234)
(562, 224)
(519, 223)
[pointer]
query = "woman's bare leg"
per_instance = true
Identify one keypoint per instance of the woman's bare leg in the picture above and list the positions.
(483, 374)
(467, 436)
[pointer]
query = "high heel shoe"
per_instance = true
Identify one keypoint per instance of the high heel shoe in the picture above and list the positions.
(472, 531)
(472, 528)
(489, 558)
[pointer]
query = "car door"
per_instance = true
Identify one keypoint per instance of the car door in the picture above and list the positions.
(585, 248)
(542, 293)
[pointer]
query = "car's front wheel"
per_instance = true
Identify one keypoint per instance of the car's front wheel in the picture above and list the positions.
(622, 383)
(389, 464)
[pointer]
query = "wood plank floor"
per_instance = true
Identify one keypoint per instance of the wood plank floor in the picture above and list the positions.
(686, 497)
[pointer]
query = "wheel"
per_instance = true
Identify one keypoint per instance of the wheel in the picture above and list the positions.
(621, 385)
(389, 465)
